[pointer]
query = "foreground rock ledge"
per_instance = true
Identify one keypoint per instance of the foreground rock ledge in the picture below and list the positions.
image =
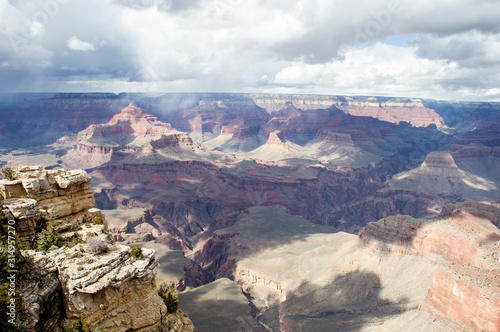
(112, 290)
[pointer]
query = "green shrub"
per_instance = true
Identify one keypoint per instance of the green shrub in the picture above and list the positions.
(136, 252)
(97, 220)
(8, 173)
(76, 240)
(82, 325)
(48, 238)
(169, 296)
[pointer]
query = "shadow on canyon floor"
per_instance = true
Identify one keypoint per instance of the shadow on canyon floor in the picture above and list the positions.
(348, 303)
(218, 306)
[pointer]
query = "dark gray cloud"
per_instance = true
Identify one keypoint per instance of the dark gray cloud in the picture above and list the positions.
(472, 50)
(358, 21)
(137, 4)
(164, 5)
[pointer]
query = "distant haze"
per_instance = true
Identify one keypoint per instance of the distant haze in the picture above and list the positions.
(428, 49)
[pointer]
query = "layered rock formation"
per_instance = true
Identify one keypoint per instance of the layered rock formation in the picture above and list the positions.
(109, 288)
(26, 213)
(393, 110)
(439, 174)
(113, 290)
(132, 131)
(466, 288)
(457, 295)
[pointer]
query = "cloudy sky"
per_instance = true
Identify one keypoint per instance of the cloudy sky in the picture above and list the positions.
(440, 49)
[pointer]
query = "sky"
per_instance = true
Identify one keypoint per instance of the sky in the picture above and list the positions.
(437, 49)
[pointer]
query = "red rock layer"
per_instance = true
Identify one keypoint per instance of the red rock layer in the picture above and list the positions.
(336, 138)
(398, 230)
(393, 110)
(462, 301)
(450, 245)
(439, 160)
(414, 113)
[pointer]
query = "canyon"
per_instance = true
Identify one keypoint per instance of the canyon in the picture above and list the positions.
(311, 212)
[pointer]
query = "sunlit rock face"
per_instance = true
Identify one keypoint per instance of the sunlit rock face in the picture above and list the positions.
(132, 131)
(393, 110)
(62, 192)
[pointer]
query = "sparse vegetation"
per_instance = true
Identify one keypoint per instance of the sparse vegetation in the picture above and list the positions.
(76, 240)
(97, 220)
(86, 220)
(8, 173)
(136, 252)
(96, 245)
(48, 238)
(27, 196)
(82, 325)
(170, 298)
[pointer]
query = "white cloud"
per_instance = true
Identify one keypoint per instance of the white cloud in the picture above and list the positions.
(254, 46)
(300, 74)
(386, 70)
(76, 44)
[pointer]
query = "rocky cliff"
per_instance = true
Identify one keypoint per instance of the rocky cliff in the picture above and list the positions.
(132, 131)
(393, 110)
(108, 286)
(465, 287)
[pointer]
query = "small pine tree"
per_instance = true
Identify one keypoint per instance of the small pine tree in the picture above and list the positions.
(8, 173)
(136, 252)
(97, 220)
(48, 238)
(170, 298)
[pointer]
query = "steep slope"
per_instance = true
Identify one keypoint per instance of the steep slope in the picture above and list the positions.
(275, 150)
(133, 132)
(439, 174)
(236, 118)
